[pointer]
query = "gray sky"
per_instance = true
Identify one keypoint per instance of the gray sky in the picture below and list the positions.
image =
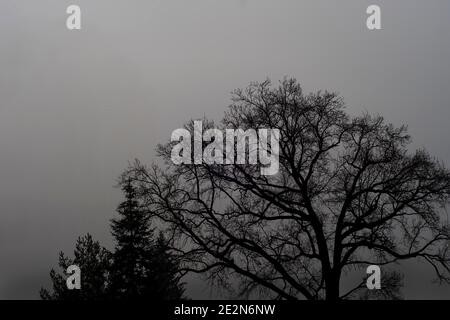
(76, 106)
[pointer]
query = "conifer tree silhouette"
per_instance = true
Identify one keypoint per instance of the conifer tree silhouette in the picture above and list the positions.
(93, 260)
(141, 267)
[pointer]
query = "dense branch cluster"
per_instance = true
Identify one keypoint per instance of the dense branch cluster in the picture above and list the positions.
(348, 193)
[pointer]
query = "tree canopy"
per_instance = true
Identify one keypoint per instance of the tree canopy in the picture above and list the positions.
(349, 193)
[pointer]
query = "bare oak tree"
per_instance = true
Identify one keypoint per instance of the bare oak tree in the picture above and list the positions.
(348, 194)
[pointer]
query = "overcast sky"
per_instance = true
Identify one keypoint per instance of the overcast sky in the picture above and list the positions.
(76, 106)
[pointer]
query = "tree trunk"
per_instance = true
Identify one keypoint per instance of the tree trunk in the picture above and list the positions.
(332, 287)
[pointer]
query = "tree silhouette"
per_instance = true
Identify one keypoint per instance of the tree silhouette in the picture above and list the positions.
(165, 279)
(141, 267)
(348, 194)
(93, 261)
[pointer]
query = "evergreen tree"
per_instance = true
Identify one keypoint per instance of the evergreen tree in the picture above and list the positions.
(164, 268)
(93, 261)
(142, 267)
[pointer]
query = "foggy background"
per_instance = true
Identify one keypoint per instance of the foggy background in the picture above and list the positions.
(76, 106)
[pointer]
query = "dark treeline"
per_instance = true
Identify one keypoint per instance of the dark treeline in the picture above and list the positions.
(349, 192)
(140, 267)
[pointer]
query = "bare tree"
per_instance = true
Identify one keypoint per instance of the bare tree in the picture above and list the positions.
(348, 194)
